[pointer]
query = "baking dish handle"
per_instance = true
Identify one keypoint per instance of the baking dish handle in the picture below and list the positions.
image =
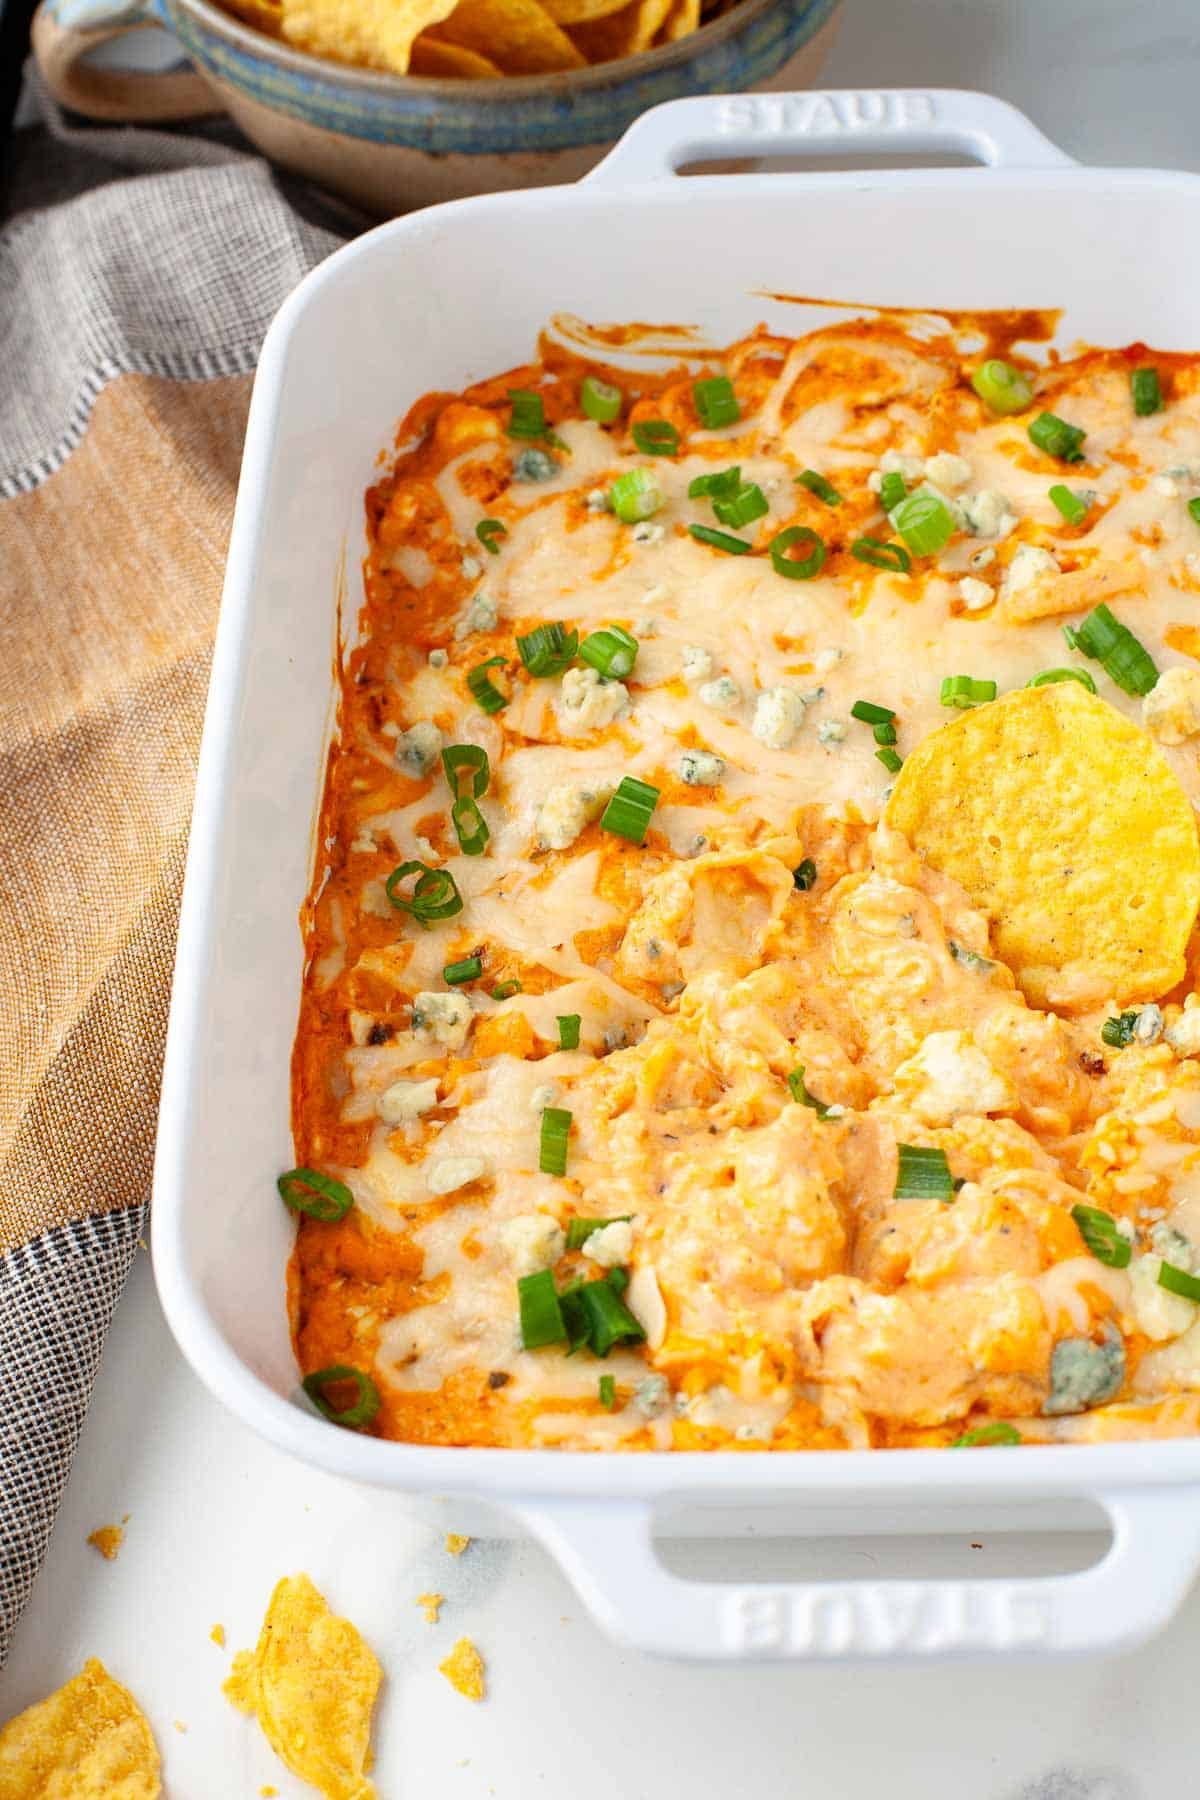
(607, 1552)
(885, 121)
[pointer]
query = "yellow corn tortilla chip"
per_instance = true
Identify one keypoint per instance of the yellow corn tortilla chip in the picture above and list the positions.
(1065, 824)
(622, 33)
(430, 56)
(311, 1682)
(463, 1669)
(88, 1741)
(577, 12)
(377, 34)
(264, 15)
(683, 18)
(518, 35)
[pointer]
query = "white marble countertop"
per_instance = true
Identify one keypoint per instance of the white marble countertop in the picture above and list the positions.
(216, 1516)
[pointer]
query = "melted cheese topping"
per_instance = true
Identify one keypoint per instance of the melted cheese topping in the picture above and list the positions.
(788, 1298)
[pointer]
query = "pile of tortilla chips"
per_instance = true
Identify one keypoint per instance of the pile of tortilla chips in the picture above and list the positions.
(477, 39)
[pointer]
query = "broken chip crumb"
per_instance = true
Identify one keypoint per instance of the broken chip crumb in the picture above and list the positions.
(88, 1740)
(455, 1543)
(179, 1725)
(463, 1669)
(431, 1605)
(217, 1634)
(268, 1792)
(107, 1539)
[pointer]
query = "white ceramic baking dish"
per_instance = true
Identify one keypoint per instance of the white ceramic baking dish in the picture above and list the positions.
(437, 300)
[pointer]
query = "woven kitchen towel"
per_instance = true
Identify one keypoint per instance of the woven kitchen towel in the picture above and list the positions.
(130, 320)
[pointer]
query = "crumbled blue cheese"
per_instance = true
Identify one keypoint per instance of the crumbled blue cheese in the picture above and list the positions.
(443, 1019)
(472, 568)
(1159, 1313)
(418, 747)
(453, 1172)
(1184, 1034)
(479, 616)
(1084, 1374)
(598, 501)
(405, 1101)
(949, 471)
(652, 1396)
(983, 558)
(701, 768)
(1171, 710)
(952, 1076)
(438, 659)
(778, 716)
(988, 514)
(1030, 564)
(1148, 1026)
(587, 703)
(896, 462)
(612, 1245)
(533, 1241)
(567, 810)
(831, 731)
(697, 663)
(534, 465)
(975, 594)
(723, 692)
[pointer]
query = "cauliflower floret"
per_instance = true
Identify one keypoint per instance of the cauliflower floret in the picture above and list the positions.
(567, 810)
(443, 1019)
(697, 663)
(1160, 1314)
(701, 768)
(454, 1172)
(948, 471)
(586, 703)
(975, 594)
(417, 747)
(1171, 710)
(533, 1241)
(611, 1245)
(987, 514)
(1030, 565)
(950, 1075)
(406, 1100)
(723, 692)
(778, 716)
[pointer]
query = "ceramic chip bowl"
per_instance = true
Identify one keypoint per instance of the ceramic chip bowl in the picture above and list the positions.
(387, 142)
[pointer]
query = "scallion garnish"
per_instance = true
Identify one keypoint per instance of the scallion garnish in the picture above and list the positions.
(891, 762)
(885, 733)
(924, 521)
(892, 490)
(922, 1174)
(964, 690)
(618, 1279)
(801, 1095)
(1049, 677)
(1118, 1032)
(568, 1030)
(488, 530)
(655, 437)
(1073, 509)
(548, 649)
(528, 418)
(556, 1129)
(611, 651)
(504, 990)
(635, 495)
(1057, 438)
(882, 556)
(434, 894)
(742, 508)
(470, 826)
(804, 875)
(579, 1230)
(1002, 388)
(630, 810)
(1147, 392)
(469, 758)
(720, 540)
(608, 1393)
(985, 1436)
(1099, 1232)
(718, 485)
(869, 714)
(600, 400)
(483, 691)
(1114, 646)
(716, 402)
(469, 969)
(541, 1315)
(315, 1195)
(1193, 507)
(817, 484)
(1178, 1281)
(362, 1408)
(609, 1320)
(807, 563)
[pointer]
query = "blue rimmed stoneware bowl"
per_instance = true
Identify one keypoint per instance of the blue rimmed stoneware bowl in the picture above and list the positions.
(388, 143)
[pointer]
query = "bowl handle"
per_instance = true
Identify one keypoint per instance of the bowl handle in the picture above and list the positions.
(63, 36)
(607, 1552)
(885, 121)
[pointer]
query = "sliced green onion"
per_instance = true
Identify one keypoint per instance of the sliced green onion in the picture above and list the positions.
(635, 495)
(1057, 438)
(1073, 509)
(1147, 393)
(434, 894)
(541, 1315)
(884, 734)
(618, 1279)
(568, 1030)
(470, 757)
(573, 1316)
(528, 419)
(748, 504)
(970, 959)
(716, 402)
(720, 540)
(488, 530)
(804, 875)
(988, 1435)
(608, 1393)
(922, 1174)
(1001, 387)
(579, 1230)
(882, 556)
(504, 990)
(891, 762)
(655, 437)
(801, 1095)
(600, 400)
(470, 826)
(719, 485)
(964, 690)
(1099, 1232)
(482, 689)
(548, 649)
(804, 566)
(1178, 1281)
(892, 490)
(630, 810)
(556, 1129)
(870, 714)
(609, 1320)
(315, 1195)
(1048, 677)
(1114, 646)
(552, 438)
(817, 484)
(611, 651)
(469, 969)
(924, 522)
(1194, 509)
(362, 1408)
(1118, 1032)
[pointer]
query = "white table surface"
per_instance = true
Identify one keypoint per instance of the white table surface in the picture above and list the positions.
(216, 1516)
